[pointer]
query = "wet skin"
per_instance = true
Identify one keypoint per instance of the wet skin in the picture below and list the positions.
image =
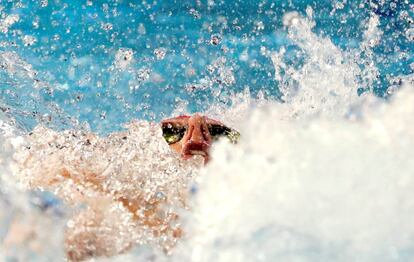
(194, 134)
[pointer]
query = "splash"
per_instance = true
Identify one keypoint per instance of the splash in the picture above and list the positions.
(318, 177)
(327, 82)
(15, 66)
(126, 189)
(23, 235)
(7, 22)
(325, 176)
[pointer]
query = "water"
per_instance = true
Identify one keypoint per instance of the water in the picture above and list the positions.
(322, 171)
(198, 53)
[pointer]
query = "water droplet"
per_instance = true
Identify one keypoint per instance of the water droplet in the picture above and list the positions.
(105, 7)
(410, 34)
(291, 18)
(8, 22)
(70, 223)
(309, 12)
(107, 26)
(195, 13)
(123, 58)
(215, 39)
(44, 3)
(259, 25)
(339, 5)
(160, 53)
(29, 40)
(160, 195)
(392, 89)
(143, 74)
(141, 29)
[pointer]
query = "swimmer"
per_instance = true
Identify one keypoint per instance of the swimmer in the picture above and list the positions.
(129, 196)
(193, 135)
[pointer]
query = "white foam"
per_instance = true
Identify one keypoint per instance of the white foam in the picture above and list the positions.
(326, 176)
(310, 190)
(25, 230)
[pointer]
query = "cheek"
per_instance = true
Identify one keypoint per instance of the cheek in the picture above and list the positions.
(176, 147)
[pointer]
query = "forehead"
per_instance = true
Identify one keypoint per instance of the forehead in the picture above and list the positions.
(183, 120)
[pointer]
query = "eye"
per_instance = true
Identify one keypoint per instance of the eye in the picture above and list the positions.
(216, 131)
(173, 134)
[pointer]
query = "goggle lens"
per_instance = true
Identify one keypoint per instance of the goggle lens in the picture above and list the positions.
(217, 131)
(173, 133)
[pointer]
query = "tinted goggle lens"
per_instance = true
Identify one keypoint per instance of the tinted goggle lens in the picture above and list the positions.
(173, 133)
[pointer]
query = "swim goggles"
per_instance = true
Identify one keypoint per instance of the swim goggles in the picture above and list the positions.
(173, 133)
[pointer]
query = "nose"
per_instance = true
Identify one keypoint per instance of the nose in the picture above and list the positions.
(197, 132)
(197, 140)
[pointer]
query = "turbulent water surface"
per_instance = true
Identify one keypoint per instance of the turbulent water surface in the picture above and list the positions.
(321, 91)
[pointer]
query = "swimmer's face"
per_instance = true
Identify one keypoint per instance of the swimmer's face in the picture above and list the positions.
(193, 135)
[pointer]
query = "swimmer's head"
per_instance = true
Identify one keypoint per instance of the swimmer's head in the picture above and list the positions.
(193, 135)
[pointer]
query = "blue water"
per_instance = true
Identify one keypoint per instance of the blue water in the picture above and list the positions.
(76, 43)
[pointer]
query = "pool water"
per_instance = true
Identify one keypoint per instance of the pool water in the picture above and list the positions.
(106, 62)
(321, 91)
